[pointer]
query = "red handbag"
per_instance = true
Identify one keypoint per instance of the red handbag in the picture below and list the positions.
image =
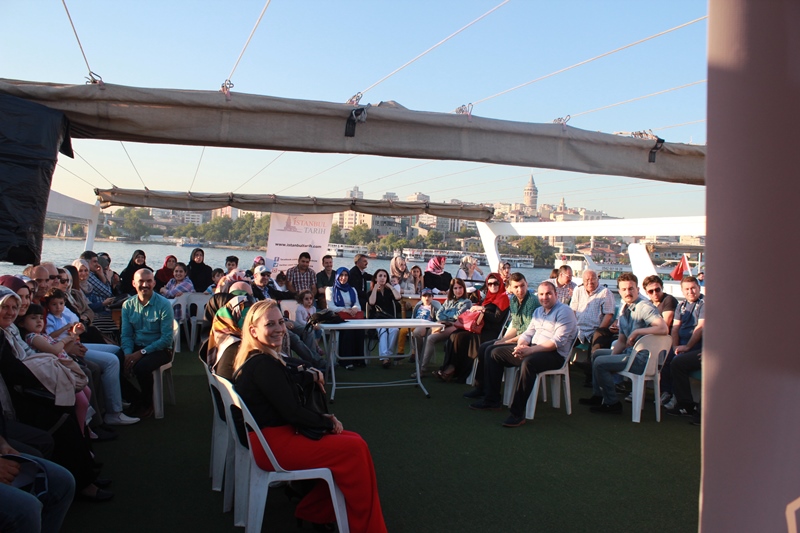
(470, 321)
(347, 316)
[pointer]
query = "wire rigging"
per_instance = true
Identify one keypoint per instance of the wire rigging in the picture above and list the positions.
(382, 177)
(241, 54)
(93, 77)
(395, 71)
(317, 174)
(573, 115)
(595, 58)
(197, 169)
(90, 166)
(80, 178)
(440, 177)
(679, 125)
(260, 171)
(134, 166)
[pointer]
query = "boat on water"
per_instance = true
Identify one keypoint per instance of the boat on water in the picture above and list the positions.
(605, 271)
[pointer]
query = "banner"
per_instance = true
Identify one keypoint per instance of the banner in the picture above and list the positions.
(290, 235)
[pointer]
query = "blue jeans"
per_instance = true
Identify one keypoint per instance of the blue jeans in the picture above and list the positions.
(22, 512)
(387, 341)
(105, 355)
(603, 368)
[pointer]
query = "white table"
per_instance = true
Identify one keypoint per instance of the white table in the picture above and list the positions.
(330, 339)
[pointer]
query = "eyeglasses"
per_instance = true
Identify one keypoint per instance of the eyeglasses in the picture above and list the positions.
(492, 284)
(654, 291)
(63, 280)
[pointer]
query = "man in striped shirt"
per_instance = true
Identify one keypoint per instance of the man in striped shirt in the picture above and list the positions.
(594, 309)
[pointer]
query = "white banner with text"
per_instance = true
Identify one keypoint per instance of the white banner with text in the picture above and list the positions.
(290, 235)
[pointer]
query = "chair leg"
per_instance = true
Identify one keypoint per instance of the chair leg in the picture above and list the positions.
(556, 390)
(471, 378)
(567, 393)
(657, 391)
(530, 407)
(257, 501)
(510, 376)
(170, 386)
(229, 477)
(243, 488)
(638, 398)
(158, 393)
(219, 443)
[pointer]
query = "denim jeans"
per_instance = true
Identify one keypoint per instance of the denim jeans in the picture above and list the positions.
(603, 367)
(106, 356)
(387, 340)
(22, 512)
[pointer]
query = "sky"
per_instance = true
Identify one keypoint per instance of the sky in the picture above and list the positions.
(329, 50)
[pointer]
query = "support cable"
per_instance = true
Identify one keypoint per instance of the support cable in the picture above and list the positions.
(573, 115)
(595, 58)
(134, 166)
(425, 180)
(381, 178)
(354, 100)
(679, 125)
(317, 174)
(90, 165)
(259, 172)
(197, 169)
(227, 84)
(93, 77)
(80, 178)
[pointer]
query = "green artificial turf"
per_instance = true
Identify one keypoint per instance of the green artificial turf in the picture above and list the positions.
(441, 466)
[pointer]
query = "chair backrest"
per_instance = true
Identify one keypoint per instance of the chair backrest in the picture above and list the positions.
(290, 306)
(506, 325)
(654, 344)
(232, 398)
(196, 305)
(216, 396)
(180, 303)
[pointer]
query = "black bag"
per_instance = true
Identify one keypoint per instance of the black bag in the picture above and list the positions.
(326, 316)
(314, 400)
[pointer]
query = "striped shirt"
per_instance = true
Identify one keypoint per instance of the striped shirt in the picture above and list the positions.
(590, 308)
(301, 281)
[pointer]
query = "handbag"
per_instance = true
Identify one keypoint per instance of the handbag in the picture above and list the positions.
(470, 321)
(347, 316)
(312, 398)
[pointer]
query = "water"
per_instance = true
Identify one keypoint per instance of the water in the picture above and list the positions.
(64, 252)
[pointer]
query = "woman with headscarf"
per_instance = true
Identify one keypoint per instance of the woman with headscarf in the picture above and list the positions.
(399, 268)
(71, 447)
(462, 348)
(342, 298)
(226, 334)
(138, 261)
(469, 271)
(164, 274)
(257, 261)
(199, 272)
(435, 276)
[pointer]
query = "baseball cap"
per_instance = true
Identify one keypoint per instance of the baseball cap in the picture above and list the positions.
(425, 291)
(260, 269)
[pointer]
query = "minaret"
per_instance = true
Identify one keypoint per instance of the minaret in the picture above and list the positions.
(531, 195)
(563, 205)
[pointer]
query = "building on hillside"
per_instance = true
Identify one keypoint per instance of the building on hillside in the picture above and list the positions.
(194, 217)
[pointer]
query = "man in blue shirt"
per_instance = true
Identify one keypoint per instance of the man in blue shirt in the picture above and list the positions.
(543, 346)
(146, 337)
(637, 318)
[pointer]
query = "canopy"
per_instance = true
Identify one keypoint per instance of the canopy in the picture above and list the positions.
(287, 204)
(210, 118)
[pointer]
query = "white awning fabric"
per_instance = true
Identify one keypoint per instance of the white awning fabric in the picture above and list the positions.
(209, 118)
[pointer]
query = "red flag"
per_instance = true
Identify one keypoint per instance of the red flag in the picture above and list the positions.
(681, 269)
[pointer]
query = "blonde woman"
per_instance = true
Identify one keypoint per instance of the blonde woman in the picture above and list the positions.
(269, 388)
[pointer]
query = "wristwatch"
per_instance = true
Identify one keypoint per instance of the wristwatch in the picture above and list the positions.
(143, 351)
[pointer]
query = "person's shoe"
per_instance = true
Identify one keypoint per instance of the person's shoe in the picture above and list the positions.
(144, 412)
(679, 410)
(102, 482)
(101, 435)
(594, 400)
(671, 403)
(98, 495)
(629, 398)
(695, 418)
(474, 394)
(665, 398)
(387, 364)
(513, 421)
(614, 408)
(483, 405)
(119, 419)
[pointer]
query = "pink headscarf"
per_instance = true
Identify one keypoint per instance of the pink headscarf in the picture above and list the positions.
(436, 265)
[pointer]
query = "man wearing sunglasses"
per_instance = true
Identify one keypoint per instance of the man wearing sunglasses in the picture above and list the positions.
(665, 303)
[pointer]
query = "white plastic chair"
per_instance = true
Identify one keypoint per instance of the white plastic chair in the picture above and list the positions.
(196, 319)
(236, 487)
(180, 303)
(159, 379)
(471, 377)
(290, 307)
(658, 345)
(221, 444)
(259, 480)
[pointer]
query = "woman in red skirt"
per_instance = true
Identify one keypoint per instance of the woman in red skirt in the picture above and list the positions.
(269, 388)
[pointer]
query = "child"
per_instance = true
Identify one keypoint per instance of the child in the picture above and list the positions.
(31, 326)
(426, 309)
(216, 274)
(231, 263)
(301, 316)
(60, 321)
(395, 283)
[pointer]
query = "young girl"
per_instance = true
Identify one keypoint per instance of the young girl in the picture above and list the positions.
(301, 316)
(31, 326)
(177, 286)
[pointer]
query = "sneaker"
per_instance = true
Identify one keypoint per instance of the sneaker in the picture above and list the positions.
(119, 419)
(665, 398)
(629, 398)
(514, 421)
(614, 408)
(474, 394)
(681, 411)
(594, 400)
(483, 405)
(671, 403)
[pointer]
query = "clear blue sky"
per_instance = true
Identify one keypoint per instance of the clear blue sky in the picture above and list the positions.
(329, 50)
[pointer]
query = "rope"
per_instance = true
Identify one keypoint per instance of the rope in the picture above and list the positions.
(595, 58)
(80, 178)
(259, 172)
(90, 165)
(395, 71)
(248, 42)
(134, 166)
(317, 174)
(679, 125)
(197, 169)
(638, 98)
(93, 78)
(439, 177)
(381, 178)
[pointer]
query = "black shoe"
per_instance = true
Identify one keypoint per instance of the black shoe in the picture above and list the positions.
(483, 405)
(614, 408)
(514, 421)
(474, 394)
(102, 482)
(387, 364)
(682, 410)
(594, 400)
(695, 418)
(99, 495)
